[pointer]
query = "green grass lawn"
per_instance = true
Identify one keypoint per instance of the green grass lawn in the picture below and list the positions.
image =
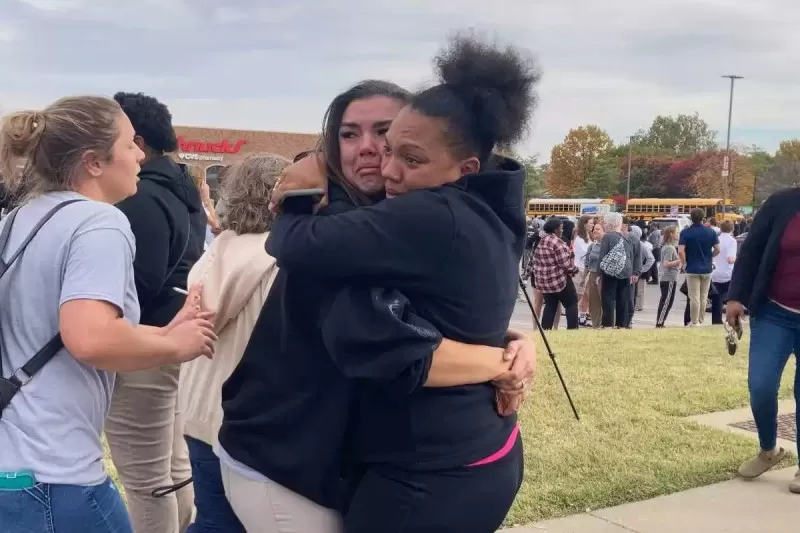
(631, 389)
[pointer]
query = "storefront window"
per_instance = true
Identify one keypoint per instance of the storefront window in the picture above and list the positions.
(214, 177)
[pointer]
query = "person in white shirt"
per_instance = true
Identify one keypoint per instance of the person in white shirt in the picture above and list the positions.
(723, 270)
(581, 248)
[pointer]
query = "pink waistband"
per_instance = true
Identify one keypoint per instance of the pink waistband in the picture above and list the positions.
(502, 452)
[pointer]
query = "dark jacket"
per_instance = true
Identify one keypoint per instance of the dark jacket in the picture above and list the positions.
(455, 252)
(756, 261)
(169, 223)
(287, 404)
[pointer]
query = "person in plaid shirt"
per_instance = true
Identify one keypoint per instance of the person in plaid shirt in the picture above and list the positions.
(553, 268)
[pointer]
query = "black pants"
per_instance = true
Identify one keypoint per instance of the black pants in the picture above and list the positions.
(668, 289)
(468, 499)
(718, 297)
(616, 296)
(568, 298)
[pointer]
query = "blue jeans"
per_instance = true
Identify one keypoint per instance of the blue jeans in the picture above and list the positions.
(214, 513)
(64, 509)
(774, 335)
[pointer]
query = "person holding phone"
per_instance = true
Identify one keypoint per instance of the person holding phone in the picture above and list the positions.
(450, 234)
(288, 406)
(765, 282)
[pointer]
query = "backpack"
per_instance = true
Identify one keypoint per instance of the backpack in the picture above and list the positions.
(615, 260)
(11, 385)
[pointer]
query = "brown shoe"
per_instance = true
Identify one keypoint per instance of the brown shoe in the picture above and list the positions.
(762, 462)
(794, 486)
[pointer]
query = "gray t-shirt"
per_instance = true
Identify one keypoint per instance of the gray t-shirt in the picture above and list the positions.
(55, 423)
(669, 253)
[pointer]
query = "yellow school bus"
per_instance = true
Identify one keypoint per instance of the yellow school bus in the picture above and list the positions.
(568, 207)
(650, 208)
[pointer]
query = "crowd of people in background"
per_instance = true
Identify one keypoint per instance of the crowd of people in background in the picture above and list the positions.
(596, 273)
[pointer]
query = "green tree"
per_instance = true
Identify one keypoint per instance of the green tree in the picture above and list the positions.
(604, 179)
(639, 148)
(680, 135)
(760, 160)
(572, 161)
(534, 176)
(647, 176)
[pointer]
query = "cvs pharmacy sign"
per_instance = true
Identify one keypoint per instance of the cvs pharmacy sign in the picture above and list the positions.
(223, 147)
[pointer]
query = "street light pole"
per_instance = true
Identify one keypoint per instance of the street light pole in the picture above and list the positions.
(630, 156)
(726, 161)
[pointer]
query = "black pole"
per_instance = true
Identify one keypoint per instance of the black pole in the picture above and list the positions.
(549, 350)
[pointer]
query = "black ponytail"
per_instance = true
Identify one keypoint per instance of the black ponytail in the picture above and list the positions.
(487, 95)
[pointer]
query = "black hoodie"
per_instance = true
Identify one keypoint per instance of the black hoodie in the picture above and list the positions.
(454, 252)
(169, 223)
(287, 404)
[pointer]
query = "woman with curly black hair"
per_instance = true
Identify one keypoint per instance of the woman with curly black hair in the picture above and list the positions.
(450, 236)
(167, 218)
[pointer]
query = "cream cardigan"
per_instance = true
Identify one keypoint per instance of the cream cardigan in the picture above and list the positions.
(236, 274)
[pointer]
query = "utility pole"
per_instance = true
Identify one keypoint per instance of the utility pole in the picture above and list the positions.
(630, 157)
(726, 161)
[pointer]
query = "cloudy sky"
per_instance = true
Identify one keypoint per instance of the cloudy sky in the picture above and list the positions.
(276, 64)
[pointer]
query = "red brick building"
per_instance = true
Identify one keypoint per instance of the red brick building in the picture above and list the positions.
(210, 150)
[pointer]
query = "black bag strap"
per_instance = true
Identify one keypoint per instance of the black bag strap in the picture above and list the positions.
(11, 385)
(4, 237)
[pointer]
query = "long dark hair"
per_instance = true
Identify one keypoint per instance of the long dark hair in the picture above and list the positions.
(332, 122)
(568, 232)
(582, 230)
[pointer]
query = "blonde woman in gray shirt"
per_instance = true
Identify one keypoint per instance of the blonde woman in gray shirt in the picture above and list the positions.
(75, 279)
(670, 268)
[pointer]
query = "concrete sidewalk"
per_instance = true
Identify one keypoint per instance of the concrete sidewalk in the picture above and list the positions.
(761, 506)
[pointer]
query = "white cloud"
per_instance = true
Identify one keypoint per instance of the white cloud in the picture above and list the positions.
(6, 35)
(276, 65)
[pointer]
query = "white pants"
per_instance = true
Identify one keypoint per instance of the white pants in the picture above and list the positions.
(267, 507)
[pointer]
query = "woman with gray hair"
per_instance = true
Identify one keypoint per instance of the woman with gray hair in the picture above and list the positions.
(616, 267)
(236, 275)
(612, 223)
